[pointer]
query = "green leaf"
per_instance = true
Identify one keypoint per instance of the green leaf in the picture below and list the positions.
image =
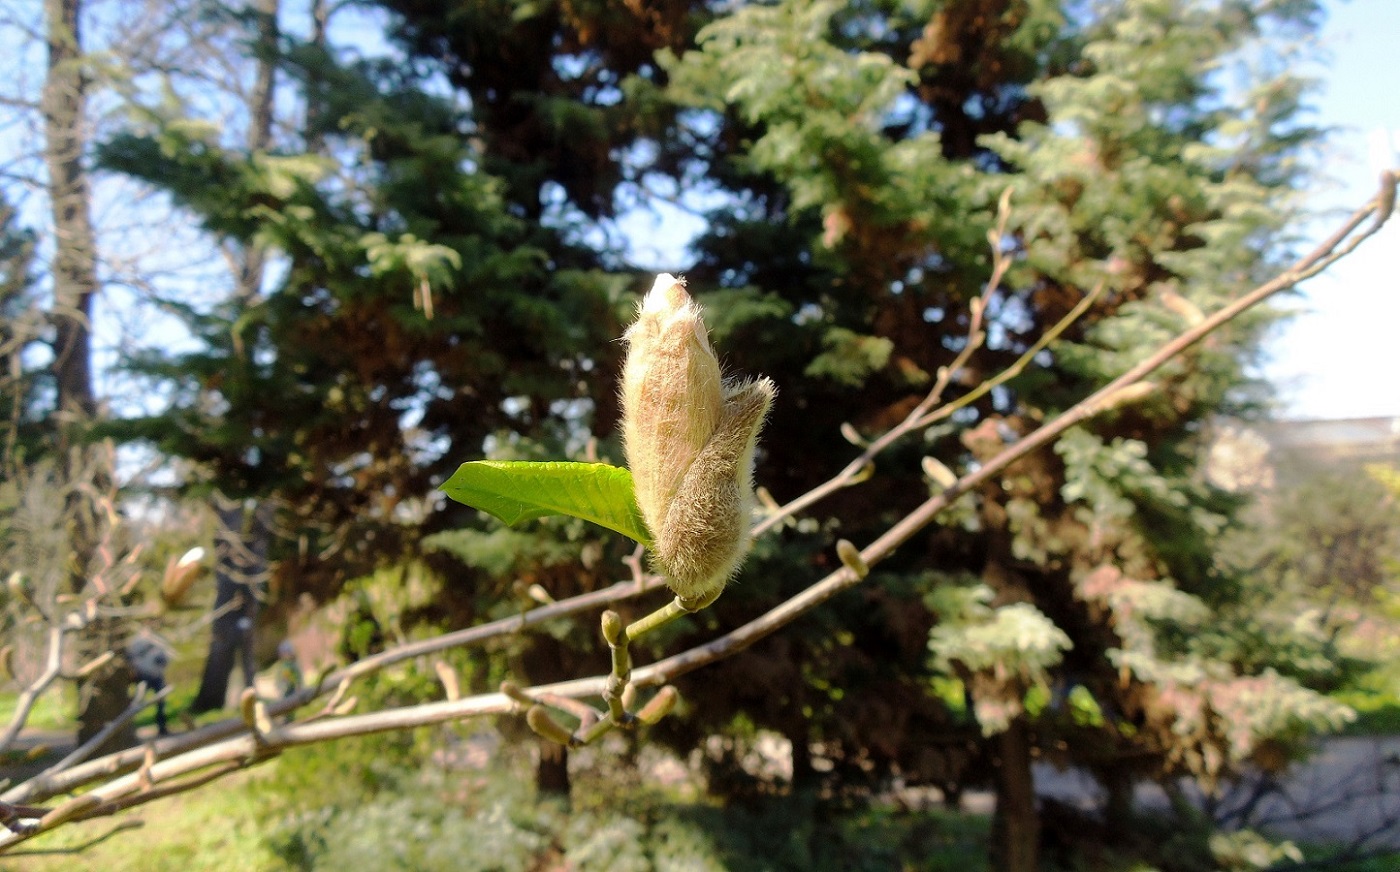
(520, 490)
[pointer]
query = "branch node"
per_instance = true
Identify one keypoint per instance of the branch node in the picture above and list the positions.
(515, 694)
(850, 556)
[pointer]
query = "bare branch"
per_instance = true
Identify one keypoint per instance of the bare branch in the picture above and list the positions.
(53, 668)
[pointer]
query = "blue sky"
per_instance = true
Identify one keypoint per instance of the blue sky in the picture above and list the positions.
(1340, 356)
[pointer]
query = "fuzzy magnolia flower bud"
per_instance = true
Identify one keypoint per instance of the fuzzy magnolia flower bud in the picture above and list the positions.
(690, 438)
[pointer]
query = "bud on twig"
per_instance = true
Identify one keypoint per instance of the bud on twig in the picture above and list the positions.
(247, 703)
(180, 576)
(939, 472)
(850, 556)
(612, 627)
(546, 727)
(1385, 203)
(690, 438)
(512, 690)
(448, 676)
(1189, 311)
(659, 706)
(1125, 395)
(18, 589)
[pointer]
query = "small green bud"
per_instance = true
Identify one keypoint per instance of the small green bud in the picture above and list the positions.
(546, 727)
(612, 627)
(850, 556)
(659, 706)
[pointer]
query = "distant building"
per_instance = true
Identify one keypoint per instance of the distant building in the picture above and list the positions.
(1253, 457)
(1350, 440)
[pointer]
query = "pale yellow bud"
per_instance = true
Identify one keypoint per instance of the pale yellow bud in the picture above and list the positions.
(180, 576)
(690, 439)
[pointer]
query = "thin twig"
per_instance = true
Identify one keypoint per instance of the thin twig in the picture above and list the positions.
(81, 753)
(53, 667)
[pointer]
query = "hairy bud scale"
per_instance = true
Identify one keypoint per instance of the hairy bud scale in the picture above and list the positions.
(690, 439)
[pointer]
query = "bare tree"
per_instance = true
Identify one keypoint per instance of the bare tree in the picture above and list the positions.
(102, 696)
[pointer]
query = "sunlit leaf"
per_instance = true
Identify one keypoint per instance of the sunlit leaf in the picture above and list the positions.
(519, 490)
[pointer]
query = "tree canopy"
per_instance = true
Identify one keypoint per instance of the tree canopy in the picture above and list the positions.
(888, 190)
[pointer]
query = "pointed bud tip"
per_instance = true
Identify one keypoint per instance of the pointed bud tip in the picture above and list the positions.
(667, 294)
(612, 627)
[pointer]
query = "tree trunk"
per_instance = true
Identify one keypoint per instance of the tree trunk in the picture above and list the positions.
(75, 253)
(240, 577)
(544, 660)
(1118, 784)
(241, 560)
(101, 698)
(1016, 824)
(804, 776)
(105, 692)
(252, 262)
(552, 774)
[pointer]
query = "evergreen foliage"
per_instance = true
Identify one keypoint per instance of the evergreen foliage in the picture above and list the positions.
(419, 317)
(21, 327)
(449, 292)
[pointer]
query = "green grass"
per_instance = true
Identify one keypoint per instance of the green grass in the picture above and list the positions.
(377, 803)
(1377, 712)
(209, 830)
(1380, 861)
(52, 711)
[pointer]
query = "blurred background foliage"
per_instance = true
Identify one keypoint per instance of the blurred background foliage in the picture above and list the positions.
(443, 203)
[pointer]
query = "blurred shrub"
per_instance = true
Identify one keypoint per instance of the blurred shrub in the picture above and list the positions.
(369, 808)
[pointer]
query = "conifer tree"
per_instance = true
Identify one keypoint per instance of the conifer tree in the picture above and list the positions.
(449, 290)
(867, 146)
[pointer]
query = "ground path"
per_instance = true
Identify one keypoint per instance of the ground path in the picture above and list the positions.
(1348, 790)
